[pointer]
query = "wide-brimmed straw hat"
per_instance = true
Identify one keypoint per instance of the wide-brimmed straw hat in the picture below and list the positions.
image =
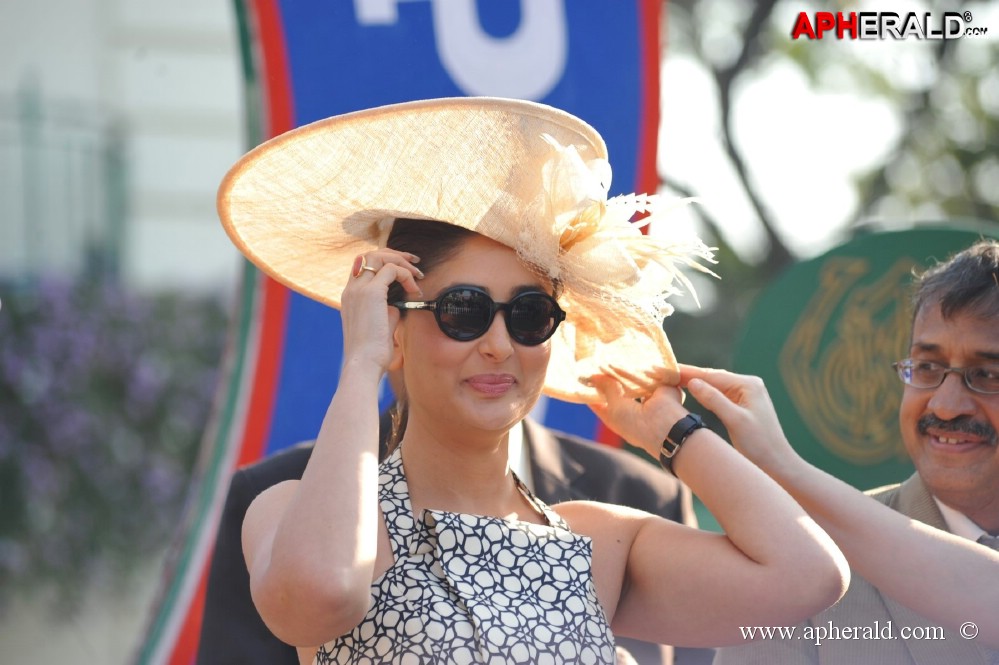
(304, 204)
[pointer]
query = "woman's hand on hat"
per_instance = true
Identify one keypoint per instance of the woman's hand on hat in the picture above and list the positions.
(743, 405)
(368, 320)
(643, 423)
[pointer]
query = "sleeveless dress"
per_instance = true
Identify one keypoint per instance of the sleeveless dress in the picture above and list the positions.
(471, 589)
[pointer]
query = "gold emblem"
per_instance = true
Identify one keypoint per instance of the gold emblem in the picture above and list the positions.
(836, 363)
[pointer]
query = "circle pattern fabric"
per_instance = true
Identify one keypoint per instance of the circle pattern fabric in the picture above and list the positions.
(470, 589)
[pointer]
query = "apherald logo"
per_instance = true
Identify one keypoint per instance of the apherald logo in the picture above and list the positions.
(880, 25)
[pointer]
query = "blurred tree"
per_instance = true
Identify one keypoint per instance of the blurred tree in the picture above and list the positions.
(943, 165)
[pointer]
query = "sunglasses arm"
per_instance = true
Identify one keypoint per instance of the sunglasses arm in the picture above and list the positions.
(416, 304)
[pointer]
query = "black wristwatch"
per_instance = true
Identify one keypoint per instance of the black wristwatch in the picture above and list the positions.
(677, 435)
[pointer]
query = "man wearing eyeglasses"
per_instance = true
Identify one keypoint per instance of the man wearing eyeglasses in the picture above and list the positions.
(907, 579)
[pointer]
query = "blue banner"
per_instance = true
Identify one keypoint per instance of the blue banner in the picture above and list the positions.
(588, 57)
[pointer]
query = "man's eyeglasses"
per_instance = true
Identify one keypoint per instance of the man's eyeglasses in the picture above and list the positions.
(927, 374)
(465, 313)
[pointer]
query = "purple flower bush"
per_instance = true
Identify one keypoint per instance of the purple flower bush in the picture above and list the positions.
(104, 395)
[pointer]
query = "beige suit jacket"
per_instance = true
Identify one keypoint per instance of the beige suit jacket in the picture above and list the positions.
(903, 637)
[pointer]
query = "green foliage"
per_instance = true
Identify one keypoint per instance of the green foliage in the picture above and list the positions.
(941, 166)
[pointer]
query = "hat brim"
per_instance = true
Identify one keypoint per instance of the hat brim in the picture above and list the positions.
(304, 204)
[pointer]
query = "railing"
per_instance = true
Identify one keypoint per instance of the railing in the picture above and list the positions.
(62, 187)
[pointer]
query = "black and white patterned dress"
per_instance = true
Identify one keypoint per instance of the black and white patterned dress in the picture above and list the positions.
(473, 589)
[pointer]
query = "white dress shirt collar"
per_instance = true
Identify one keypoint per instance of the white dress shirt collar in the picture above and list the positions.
(519, 455)
(958, 523)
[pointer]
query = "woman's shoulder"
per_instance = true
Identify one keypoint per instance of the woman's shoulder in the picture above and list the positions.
(271, 501)
(594, 517)
(610, 523)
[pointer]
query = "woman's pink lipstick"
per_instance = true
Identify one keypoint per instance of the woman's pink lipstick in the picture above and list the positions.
(491, 384)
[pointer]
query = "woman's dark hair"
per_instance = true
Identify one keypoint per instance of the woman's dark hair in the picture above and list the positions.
(434, 242)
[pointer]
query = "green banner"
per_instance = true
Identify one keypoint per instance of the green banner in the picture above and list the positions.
(823, 337)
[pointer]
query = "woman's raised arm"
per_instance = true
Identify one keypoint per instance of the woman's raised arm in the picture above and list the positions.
(772, 566)
(958, 579)
(310, 545)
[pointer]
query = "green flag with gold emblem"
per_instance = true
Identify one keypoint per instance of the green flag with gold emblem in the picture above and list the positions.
(823, 337)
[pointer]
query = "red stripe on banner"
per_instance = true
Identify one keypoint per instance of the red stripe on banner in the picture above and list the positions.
(273, 320)
(276, 83)
(273, 317)
(277, 77)
(646, 171)
(185, 650)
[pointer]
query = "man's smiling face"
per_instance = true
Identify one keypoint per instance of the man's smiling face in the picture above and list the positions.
(950, 431)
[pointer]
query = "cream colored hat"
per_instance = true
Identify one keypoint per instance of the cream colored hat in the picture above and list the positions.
(302, 205)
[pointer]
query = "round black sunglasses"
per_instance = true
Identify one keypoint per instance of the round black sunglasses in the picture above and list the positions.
(466, 312)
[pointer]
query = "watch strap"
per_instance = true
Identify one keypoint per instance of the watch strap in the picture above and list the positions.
(677, 435)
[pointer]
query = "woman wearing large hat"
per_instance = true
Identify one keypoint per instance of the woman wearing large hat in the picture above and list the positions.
(471, 246)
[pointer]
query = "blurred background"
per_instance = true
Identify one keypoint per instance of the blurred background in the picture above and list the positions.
(118, 119)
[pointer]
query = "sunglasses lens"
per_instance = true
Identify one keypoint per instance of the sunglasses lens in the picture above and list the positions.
(532, 318)
(464, 314)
